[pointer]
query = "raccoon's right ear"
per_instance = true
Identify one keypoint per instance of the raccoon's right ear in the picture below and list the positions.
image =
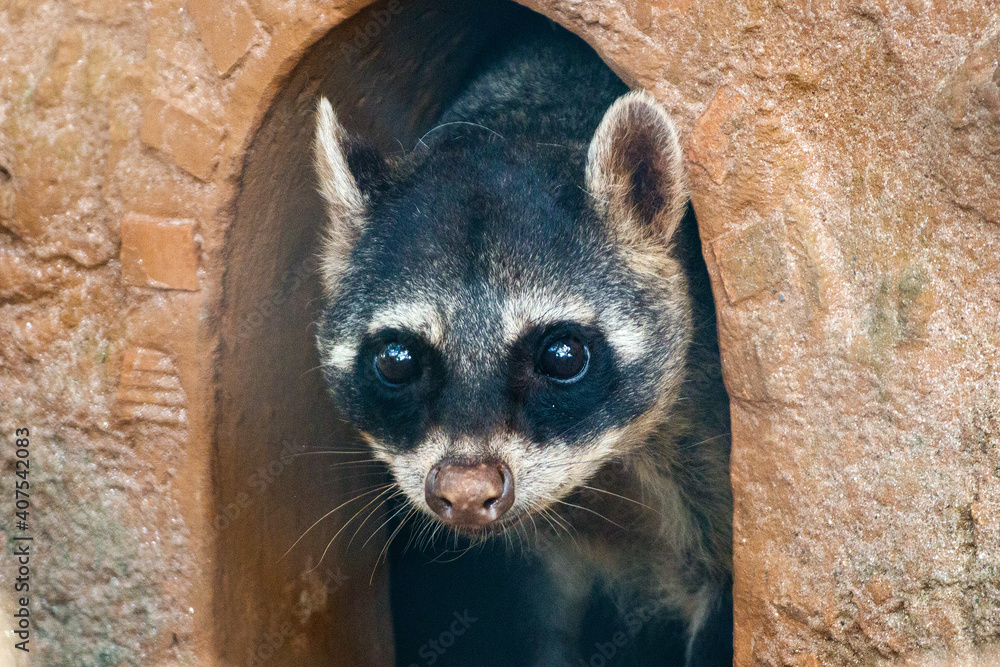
(349, 168)
(635, 173)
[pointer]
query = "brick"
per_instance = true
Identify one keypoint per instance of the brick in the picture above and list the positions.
(193, 143)
(751, 260)
(150, 388)
(159, 252)
(709, 144)
(227, 27)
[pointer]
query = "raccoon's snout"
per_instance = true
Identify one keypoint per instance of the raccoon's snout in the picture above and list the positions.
(469, 495)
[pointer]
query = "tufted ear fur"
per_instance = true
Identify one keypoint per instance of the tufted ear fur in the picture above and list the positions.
(349, 169)
(635, 172)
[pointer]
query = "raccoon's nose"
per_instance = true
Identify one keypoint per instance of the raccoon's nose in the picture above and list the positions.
(470, 495)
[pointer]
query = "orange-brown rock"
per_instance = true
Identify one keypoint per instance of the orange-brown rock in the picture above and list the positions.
(157, 252)
(227, 28)
(191, 141)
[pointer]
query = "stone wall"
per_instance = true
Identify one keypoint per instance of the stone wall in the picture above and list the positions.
(843, 161)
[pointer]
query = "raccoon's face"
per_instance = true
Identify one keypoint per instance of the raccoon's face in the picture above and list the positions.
(499, 323)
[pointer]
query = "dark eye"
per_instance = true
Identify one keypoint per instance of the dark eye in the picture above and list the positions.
(564, 360)
(395, 364)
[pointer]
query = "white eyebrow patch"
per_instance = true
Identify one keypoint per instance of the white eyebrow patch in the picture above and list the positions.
(532, 309)
(341, 356)
(541, 309)
(625, 336)
(420, 317)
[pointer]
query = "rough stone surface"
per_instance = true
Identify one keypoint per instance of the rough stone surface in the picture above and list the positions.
(192, 142)
(150, 389)
(843, 160)
(115, 569)
(158, 252)
(227, 28)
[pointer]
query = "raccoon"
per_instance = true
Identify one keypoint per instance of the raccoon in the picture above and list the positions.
(512, 322)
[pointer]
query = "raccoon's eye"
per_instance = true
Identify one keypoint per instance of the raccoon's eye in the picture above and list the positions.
(396, 365)
(564, 360)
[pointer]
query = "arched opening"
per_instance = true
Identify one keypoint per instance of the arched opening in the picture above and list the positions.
(389, 71)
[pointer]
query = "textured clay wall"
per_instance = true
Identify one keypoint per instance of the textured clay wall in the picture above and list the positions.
(843, 161)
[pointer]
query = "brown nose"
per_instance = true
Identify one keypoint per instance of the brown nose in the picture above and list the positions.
(469, 495)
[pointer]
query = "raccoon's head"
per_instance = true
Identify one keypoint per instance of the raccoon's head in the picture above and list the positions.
(502, 318)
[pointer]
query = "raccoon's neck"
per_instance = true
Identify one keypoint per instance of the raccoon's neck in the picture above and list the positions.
(668, 505)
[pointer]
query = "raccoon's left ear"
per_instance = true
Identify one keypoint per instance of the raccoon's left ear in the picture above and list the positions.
(634, 170)
(349, 169)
